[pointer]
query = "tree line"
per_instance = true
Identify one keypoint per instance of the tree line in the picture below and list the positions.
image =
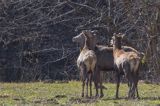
(35, 35)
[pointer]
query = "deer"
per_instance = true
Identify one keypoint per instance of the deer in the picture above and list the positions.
(86, 61)
(125, 63)
(105, 60)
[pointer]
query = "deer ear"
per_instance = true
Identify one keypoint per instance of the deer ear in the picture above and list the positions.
(111, 41)
(114, 34)
(92, 32)
(123, 35)
(83, 32)
(113, 37)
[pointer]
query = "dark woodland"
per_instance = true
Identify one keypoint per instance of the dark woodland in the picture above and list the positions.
(36, 35)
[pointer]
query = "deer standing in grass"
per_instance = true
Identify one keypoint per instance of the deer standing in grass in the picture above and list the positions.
(86, 61)
(105, 60)
(126, 63)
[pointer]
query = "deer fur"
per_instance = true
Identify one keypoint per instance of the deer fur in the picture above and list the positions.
(105, 60)
(86, 62)
(127, 63)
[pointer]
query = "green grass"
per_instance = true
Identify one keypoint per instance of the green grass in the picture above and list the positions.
(40, 94)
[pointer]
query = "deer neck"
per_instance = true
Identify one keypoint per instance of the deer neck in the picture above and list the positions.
(117, 49)
(88, 44)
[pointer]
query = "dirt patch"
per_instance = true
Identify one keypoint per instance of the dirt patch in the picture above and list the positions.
(45, 101)
(150, 98)
(82, 100)
(17, 99)
(60, 96)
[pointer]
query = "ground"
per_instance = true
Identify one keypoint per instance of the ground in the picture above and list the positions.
(68, 93)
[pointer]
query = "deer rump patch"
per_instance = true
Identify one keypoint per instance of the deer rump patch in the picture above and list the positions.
(90, 60)
(132, 59)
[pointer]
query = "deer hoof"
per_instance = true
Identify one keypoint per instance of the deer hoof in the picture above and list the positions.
(91, 95)
(138, 97)
(116, 97)
(87, 96)
(101, 95)
(96, 96)
(82, 94)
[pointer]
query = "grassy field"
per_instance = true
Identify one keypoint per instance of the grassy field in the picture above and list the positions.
(55, 94)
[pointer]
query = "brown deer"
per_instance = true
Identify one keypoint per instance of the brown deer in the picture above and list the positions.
(86, 61)
(105, 60)
(126, 63)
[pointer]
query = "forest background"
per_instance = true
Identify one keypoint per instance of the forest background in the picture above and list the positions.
(36, 35)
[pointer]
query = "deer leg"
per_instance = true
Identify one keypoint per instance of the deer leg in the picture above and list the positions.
(133, 86)
(135, 89)
(132, 95)
(137, 92)
(101, 88)
(87, 79)
(96, 77)
(129, 86)
(96, 86)
(129, 91)
(136, 85)
(130, 82)
(83, 78)
(83, 84)
(118, 83)
(90, 83)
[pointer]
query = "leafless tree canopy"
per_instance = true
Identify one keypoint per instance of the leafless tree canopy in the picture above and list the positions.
(35, 35)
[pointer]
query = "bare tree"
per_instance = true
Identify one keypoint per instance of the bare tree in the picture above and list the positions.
(35, 35)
